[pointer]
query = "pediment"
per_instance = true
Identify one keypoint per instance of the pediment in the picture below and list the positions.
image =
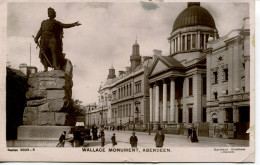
(159, 67)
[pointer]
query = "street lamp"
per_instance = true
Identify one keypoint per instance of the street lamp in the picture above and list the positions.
(88, 114)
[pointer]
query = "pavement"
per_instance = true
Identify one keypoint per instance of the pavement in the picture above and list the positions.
(145, 140)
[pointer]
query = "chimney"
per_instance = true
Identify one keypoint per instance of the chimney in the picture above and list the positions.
(157, 52)
(127, 70)
(246, 24)
(23, 68)
(147, 58)
(121, 72)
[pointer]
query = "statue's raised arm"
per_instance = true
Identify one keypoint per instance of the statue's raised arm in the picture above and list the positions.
(51, 34)
(70, 25)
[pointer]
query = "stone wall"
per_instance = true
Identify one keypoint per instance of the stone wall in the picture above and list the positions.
(48, 99)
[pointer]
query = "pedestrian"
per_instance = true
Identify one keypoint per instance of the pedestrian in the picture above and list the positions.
(189, 132)
(194, 137)
(94, 132)
(113, 128)
(102, 140)
(133, 140)
(62, 140)
(113, 138)
(159, 138)
(118, 127)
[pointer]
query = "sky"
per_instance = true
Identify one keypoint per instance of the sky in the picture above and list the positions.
(106, 36)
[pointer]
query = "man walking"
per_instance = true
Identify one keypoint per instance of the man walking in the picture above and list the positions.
(159, 138)
(113, 138)
(133, 140)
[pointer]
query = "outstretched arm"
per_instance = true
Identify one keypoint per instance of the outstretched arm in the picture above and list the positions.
(70, 25)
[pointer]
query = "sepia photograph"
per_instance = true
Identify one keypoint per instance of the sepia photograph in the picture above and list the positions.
(115, 81)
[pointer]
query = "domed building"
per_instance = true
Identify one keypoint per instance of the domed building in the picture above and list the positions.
(178, 81)
(205, 80)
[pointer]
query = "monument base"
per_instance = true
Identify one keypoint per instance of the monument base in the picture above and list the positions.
(41, 132)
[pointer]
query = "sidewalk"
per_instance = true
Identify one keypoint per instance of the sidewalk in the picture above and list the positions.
(145, 140)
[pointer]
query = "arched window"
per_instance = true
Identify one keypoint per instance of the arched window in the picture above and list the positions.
(214, 118)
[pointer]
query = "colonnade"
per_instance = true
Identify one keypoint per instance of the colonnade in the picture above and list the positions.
(154, 117)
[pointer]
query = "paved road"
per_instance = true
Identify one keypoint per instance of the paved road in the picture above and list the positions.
(145, 140)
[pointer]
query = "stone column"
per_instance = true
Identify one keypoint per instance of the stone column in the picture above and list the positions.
(179, 42)
(221, 115)
(151, 103)
(172, 99)
(198, 45)
(196, 115)
(208, 116)
(156, 102)
(235, 114)
(247, 74)
(175, 44)
(171, 47)
(164, 101)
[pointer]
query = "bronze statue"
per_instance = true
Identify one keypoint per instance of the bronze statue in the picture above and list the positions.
(51, 33)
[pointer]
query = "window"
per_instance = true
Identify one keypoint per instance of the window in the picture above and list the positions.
(188, 42)
(225, 74)
(215, 74)
(190, 115)
(216, 95)
(176, 42)
(114, 95)
(202, 41)
(119, 93)
(204, 85)
(183, 43)
(130, 89)
(214, 118)
(243, 64)
(190, 87)
(194, 40)
(138, 87)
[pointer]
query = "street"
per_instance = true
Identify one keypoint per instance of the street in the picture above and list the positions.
(145, 140)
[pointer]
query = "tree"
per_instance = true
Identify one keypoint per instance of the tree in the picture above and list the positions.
(77, 107)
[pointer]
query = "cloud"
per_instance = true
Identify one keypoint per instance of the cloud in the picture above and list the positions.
(149, 5)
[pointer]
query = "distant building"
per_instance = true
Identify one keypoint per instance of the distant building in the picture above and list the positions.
(178, 81)
(123, 100)
(89, 112)
(27, 70)
(228, 80)
(130, 92)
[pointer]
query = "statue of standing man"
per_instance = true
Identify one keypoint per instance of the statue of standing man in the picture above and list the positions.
(51, 33)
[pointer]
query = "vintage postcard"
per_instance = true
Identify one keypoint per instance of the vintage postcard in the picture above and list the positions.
(121, 81)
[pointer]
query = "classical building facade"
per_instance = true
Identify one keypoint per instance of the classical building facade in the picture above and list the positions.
(130, 92)
(124, 100)
(178, 81)
(228, 81)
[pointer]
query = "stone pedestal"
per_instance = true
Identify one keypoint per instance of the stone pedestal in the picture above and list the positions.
(41, 132)
(48, 99)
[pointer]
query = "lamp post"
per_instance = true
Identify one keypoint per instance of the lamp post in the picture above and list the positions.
(88, 114)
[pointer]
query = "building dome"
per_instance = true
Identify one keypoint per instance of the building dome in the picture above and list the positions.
(193, 15)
